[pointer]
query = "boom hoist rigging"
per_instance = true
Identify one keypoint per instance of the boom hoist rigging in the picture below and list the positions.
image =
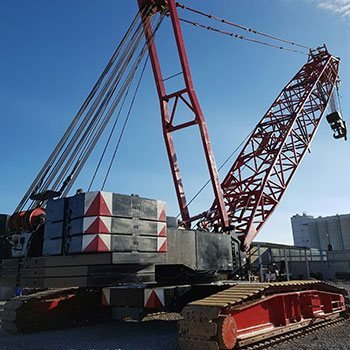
(255, 183)
(243, 201)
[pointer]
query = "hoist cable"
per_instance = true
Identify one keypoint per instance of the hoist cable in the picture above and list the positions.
(230, 23)
(50, 161)
(125, 124)
(339, 100)
(237, 36)
(120, 66)
(111, 110)
(172, 76)
(86, 138)
(126, 55)
(108, 140)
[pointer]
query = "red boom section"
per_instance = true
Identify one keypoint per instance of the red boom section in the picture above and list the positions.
(169, 102)
(260, 175)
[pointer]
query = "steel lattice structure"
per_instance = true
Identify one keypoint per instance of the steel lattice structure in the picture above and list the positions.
(264, 168)
(261, 173)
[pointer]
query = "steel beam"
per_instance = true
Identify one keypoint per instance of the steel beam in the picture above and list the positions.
(189, 97)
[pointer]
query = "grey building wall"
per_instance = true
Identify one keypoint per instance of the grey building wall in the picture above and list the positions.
(303, 263)
(325, 233)
(301, 231)
(300, 262)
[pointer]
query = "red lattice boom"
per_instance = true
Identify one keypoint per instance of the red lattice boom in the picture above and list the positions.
(260, 175)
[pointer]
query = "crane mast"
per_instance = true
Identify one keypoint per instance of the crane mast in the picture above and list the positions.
(168, 106)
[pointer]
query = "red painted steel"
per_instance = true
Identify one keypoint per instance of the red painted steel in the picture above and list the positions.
(277, 311)
(228, 334)
(264, 168)
(28, 220)
(168, 105)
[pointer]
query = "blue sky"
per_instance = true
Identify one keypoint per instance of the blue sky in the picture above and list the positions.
(52, 52)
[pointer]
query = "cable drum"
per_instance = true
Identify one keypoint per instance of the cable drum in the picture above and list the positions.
(28, 220)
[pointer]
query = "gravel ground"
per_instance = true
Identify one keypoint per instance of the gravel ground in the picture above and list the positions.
(152, 335)
(333, 338)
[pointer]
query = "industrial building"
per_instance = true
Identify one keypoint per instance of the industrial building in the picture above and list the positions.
(270, 261)
(324, 233)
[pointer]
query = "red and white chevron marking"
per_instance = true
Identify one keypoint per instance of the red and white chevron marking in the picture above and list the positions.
(98, 203)
(154, 298)
(96, 243)
(161, 211)
(161, 229)
(97, 224)
(162, 237)
(106, 296)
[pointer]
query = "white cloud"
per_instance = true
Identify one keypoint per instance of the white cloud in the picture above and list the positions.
(341, 7)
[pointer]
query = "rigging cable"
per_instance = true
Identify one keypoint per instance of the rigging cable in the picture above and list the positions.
(257, 32)
(90, 130)
(125, 123)
(98, 116)
(98, 104)
(59, 147)
(112, 108)
(221, 166)
(108, 140)
(237, 36)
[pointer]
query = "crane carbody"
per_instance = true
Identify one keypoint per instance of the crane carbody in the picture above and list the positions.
(97, 249)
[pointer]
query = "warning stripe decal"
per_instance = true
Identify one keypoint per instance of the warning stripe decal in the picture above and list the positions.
(96, 243)
(154, 298)
(162, 244)
(106, 296)
(161, 229)
(97, 224)
(98, 203)
(161, 211)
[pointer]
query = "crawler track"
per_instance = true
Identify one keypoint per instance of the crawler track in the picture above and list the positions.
(270, 343)
(210, 323)
(52, 309)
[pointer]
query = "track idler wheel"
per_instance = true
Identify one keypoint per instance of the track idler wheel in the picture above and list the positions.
(227, 332)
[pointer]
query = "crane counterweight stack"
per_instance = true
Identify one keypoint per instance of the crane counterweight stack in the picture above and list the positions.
(96, 249)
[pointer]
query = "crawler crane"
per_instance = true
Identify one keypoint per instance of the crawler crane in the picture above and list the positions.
(76, 256)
